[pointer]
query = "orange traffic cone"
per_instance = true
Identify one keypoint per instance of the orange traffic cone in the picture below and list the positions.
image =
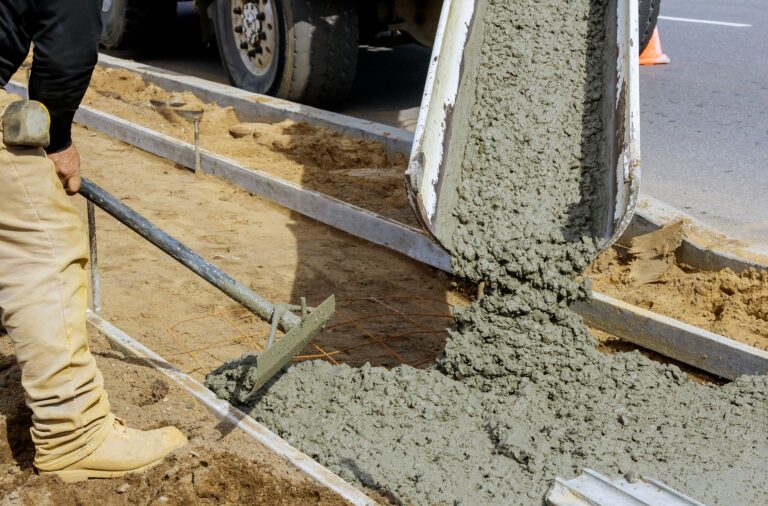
(653, 55)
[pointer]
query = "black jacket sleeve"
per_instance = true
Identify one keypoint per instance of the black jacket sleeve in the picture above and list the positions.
(66, 37)
(14, 36)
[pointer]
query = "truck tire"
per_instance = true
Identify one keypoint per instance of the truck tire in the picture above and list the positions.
(134, 23)
(647, 19)
(299, 50)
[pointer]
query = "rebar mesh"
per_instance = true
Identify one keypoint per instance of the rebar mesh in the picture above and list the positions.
(384, 331)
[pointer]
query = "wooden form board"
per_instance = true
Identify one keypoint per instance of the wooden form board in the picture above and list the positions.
(652, 214)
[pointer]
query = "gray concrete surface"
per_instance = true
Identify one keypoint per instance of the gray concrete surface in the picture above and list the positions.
(704, 117)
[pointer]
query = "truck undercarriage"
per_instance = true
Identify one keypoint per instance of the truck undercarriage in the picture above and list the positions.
(300, 50)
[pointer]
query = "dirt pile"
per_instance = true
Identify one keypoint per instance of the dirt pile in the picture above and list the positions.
(221, 465)
(354, 170)
(730, 304)
(521, 394)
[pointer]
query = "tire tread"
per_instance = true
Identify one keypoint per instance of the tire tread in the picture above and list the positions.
(333, 50)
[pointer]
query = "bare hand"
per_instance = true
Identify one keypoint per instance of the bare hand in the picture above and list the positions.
(67, 164)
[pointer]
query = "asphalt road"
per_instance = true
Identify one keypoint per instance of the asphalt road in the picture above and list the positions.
(704, 117)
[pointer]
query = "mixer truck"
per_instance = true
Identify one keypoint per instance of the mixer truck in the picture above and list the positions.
(300, 50)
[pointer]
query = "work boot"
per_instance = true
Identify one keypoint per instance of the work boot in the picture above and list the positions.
(124, 451)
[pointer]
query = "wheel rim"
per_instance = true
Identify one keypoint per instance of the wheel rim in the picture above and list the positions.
(254, 25)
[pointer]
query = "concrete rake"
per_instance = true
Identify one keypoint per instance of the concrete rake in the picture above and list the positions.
(300, 330)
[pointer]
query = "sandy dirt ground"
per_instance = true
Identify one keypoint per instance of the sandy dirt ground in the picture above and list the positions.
(220, 465)
(647, 274)
(362, 173)
(391, 310)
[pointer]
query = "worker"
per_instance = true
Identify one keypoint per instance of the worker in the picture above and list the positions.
(43, 254)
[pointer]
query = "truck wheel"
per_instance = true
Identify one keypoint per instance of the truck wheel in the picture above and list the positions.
(647, 19)
(132, 23)
(299, 50)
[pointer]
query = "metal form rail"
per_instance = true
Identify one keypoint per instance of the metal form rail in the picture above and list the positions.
(347, 217)
(259, 108)
(592, 488)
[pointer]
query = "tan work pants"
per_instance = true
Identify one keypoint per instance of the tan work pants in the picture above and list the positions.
(43, 253)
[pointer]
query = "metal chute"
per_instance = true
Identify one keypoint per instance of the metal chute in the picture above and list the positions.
(434, 170)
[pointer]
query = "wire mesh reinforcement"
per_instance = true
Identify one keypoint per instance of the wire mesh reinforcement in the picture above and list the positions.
(384, 331)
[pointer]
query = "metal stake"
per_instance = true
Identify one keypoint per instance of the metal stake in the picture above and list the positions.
(198, 160)
(190, 114)
(95, 280)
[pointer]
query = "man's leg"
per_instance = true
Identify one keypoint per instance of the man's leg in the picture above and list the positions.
(43, 253)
